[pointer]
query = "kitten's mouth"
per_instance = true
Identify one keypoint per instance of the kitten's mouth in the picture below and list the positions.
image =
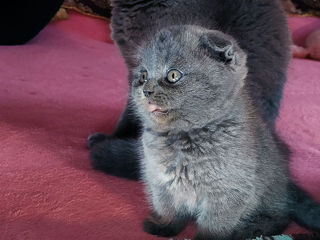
(156, 109)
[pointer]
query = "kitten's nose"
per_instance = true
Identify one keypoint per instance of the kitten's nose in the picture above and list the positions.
(147, 93)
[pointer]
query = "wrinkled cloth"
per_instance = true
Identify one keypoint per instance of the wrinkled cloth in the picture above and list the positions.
(69, 82)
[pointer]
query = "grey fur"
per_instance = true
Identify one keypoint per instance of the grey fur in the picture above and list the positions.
(213, 156)
(208, 153)
(209, 150)
(260, 28)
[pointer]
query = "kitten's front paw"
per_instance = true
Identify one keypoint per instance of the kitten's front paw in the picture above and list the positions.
(156, 226)
(95, 138)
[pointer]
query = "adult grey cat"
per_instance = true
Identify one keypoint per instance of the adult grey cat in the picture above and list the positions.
(260, 28)
(208, 155)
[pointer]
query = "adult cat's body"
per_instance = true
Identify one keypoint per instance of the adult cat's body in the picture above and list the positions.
(260, 28)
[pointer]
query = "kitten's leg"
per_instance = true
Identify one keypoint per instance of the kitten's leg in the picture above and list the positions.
(204, 233)
(245, 228)
(216, 220)
(118, 154)
(164, 226)
(210, 226)
(266, 224)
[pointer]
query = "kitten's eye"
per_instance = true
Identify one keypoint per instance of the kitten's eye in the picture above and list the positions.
(174, 75)
(144, 77)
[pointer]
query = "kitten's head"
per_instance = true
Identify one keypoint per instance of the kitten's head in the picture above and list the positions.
(186, 77)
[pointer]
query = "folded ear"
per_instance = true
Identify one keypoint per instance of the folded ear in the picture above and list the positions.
(223, 48)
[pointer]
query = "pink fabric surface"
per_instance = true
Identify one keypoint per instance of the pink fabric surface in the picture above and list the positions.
(301, 27)
(70, 81)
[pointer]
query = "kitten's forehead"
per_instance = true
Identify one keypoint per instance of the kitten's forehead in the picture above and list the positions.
(192, 49)
(169, 46)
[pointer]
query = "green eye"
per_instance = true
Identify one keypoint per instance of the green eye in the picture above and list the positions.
(143, 77)
(174, 75)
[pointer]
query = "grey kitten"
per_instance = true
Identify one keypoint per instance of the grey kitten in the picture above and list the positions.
(208, 155)
(260, 28)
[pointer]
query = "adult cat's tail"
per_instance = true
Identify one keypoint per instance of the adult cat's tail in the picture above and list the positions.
(304, 210)
(115, 156)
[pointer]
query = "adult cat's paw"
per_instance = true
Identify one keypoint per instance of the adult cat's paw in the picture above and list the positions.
(118, 157)
(95, 138)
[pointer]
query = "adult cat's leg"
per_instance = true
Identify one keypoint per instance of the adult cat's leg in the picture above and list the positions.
(267, 95)
(118, 154)
(128, 126)
(164, 226)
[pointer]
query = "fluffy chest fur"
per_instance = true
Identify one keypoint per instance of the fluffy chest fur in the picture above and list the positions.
(169, 175)
(184, 171)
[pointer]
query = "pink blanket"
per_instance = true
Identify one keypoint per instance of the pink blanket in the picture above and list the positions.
(70, 81)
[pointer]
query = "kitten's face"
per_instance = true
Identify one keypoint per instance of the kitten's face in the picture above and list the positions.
(186, 76)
